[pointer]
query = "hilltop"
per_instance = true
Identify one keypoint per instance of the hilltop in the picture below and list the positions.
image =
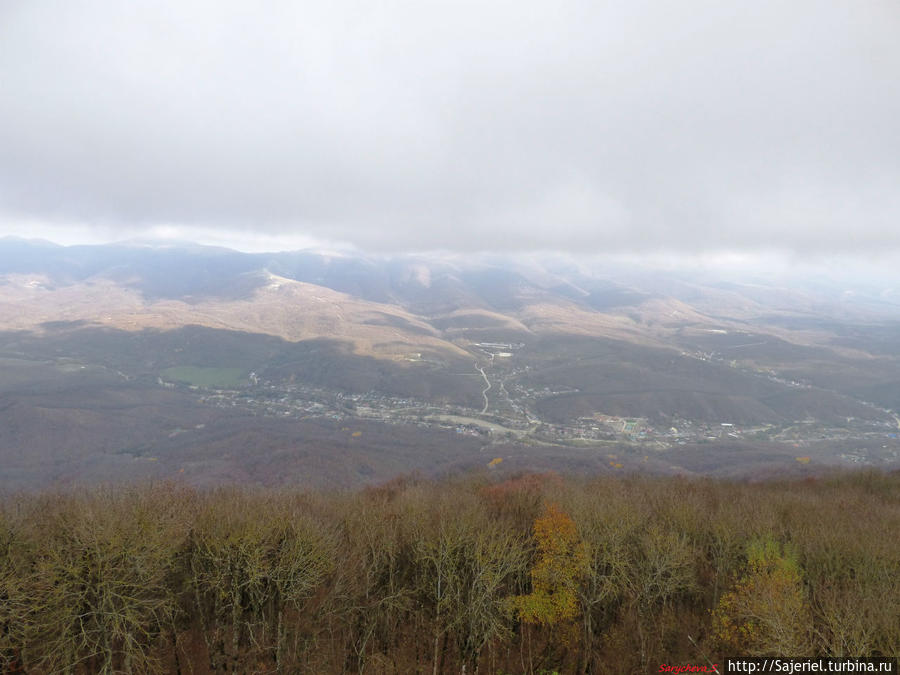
(537, 573)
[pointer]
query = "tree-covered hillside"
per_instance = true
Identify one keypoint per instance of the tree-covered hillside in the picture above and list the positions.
(533, 574)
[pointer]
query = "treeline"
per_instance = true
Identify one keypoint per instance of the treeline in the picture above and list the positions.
(534, 574)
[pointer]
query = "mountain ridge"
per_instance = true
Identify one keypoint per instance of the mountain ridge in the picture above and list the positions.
(522, 354)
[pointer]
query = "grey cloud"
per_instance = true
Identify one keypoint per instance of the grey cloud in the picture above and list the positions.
(589, 126)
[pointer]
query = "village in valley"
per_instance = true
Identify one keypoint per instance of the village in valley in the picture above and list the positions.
(509, 415)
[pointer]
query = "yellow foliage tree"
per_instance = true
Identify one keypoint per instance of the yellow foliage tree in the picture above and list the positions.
(562, 561)
(766, 612)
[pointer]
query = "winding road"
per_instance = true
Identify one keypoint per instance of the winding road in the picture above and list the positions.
(486, 389)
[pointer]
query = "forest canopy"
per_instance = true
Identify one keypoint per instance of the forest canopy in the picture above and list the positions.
(533, 573)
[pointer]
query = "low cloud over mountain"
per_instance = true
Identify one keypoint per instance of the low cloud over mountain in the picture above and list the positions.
(464, 126)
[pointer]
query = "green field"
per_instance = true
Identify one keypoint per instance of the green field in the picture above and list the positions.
(205, 377)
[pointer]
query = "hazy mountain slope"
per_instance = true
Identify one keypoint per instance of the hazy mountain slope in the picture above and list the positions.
(280, 307)
(544, 363)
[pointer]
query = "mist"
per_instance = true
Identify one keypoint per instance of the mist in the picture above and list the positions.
(628, 127)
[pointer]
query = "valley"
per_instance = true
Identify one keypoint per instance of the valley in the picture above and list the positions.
(222, 368)
(515, 418)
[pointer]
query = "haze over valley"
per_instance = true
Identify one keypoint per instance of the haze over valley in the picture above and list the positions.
(140, 360)
(325, 245)
(449, 337)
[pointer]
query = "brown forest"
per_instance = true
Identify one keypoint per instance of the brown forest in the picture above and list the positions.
(531, 574)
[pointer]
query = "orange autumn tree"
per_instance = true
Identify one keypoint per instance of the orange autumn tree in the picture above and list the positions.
(561, 561)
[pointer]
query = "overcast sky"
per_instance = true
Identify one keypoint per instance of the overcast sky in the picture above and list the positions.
(691, 126)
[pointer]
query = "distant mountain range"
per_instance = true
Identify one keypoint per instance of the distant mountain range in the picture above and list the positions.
(556, 353)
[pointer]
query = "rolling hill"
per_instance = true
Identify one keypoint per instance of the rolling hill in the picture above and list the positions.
(544, 357)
